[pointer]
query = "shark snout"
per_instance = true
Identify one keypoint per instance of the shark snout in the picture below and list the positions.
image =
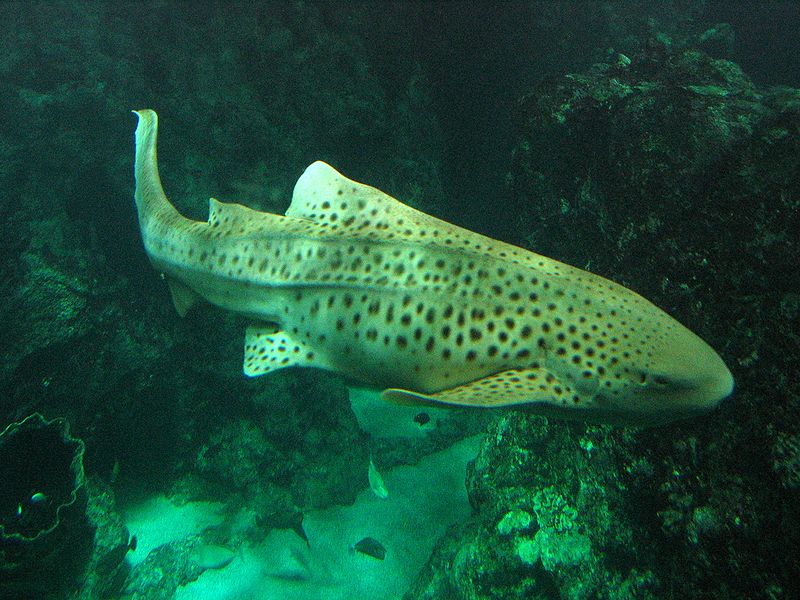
(698, 377)
(719, 382)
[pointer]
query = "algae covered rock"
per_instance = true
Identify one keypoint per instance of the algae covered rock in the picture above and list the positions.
(677, 175)
(43, 499)
(671, 172)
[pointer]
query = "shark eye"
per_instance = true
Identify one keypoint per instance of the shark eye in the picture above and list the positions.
(661, 381)
(654, 379)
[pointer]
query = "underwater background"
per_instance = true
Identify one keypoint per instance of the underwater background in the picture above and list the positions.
(655, 144)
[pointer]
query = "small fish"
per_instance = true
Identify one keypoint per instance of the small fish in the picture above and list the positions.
(370, 547)
(36, 499)
(376, 481)
(422, 418)
(132, 543)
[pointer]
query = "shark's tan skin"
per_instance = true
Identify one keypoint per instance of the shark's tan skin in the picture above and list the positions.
(354, 281)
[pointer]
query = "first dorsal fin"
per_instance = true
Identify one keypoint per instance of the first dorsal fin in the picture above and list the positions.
(332, 201)
(353, 209)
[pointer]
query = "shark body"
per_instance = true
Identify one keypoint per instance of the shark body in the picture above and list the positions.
(352, 280)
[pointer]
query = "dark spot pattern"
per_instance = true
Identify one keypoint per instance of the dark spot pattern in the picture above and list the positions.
(428, 296)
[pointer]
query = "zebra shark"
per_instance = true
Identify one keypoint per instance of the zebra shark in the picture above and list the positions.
(353, 281)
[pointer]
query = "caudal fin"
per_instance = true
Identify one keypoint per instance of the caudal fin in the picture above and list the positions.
(151, 202)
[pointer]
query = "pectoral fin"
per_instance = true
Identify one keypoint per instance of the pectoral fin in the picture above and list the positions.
(508, 388)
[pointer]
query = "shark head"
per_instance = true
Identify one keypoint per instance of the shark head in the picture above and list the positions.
(686, 375)
(680, 375)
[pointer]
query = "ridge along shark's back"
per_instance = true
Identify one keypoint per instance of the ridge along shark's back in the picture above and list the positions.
(354, 281)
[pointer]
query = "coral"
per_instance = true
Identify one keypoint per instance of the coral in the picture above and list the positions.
(555, 549)
(553, 511)
(513, 520)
